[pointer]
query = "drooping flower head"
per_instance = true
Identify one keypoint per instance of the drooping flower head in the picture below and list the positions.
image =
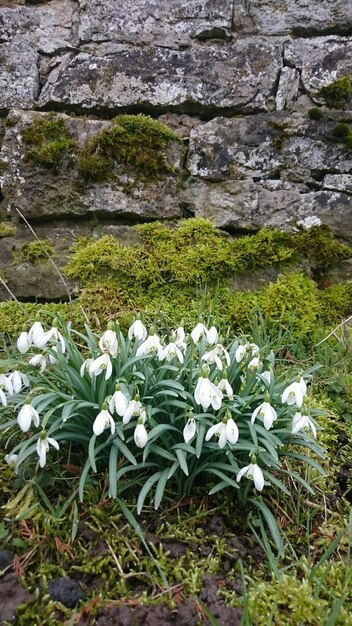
(303, 422)
(99, 365)
(23, 342)
(225, 386)
(43, 444)
(253, 472)
(134, 409)
(118, 402)
(294, 393)
(217, 355)
(206, 393)
(108, 343)
(103, 420)
(137, 330)
(198, 332)
(18, 380)
(26, 415)
(151, 345)
(226, 431)
(190, 428)
(266, 412)
(140, 434)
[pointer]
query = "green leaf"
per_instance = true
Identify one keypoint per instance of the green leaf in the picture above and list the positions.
(182, 460)
(272, 524)
(148, 485)
(160, 488)
(113, 471)
(120, 445)
(91, 453)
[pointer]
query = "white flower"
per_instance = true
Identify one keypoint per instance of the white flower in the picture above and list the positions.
(225, 387)
(198, 331)
(103, 420)
(140, 435)
(170, 351)
(3, 398)
(50, 335)
(52, 358)
(137, 330)
(265, 377)
(108, 342)
(189, 430)
(206, 394)
(212, 336)
(35, 332)
(294, 393)
(178, 337)
(38, 360)
(23, 342)
(226, 430)
(300, 422)
(43, 446)
(11, 459)
(267, 412)
(253, 472)
(18, 380)
(97, 366)
(243, 350)
(25, 417)
(240, 353)
(150, 345)
(254, 364)
(86, 366)
(214, 356)
(118, 402)
(135, 409)
(6, 383)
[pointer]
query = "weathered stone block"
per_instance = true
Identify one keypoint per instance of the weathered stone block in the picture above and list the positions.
(236, 77)
(19, 82)
(302, 18)
(167, 22)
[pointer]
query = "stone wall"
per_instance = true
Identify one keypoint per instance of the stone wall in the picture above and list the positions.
(235, 80)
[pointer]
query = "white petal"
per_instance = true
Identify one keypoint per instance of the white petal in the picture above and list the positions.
(3, 398)
(24, 418)
(242, 472)
(212, 431)
(99, 424)
(41, 450)
(23, 342)
(140, 436)
(212, 336)
(255, 413)
(189, 430)
(53, 443)
(222, 438)
(231, 431)
(312, 427)
(258, 477)
(35, 332)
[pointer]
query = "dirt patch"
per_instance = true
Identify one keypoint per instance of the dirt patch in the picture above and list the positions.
(11, 596)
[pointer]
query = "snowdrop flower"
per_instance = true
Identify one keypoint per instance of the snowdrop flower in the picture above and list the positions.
(86, 366)
(190, 429)
(135, 409)
(50, 335)
(254, 364)
(35, 332)
(206, 394)
(227, 431)
(170, 351)
(225, 386)
(108, 342)
(214, 356)
(51, 357)
(303, 422)
(26, 415)
(294, 393)
(97, 366)
(23, 342)
(43, 446)
(11, 459)
(140, 435)
(150, 345)
(18, 380)
(3, 398)
(265, 377)
(103, 420)
(212, 336)
(267, 412)
(240, 353)
(253, 472)
(179, 336)
(5, 383)
(137, 330)
(243, 350)
(118, 402)
(38, 360)
(198, 332)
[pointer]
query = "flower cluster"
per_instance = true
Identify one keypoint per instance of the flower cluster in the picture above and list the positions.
(185, 405)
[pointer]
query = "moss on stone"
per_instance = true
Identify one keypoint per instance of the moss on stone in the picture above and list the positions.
(341, 133)
(6, 229)
(315, 114)
(137, 141)
(335, 302)
(48, 143)
(14, 316)
(337, 94)
(34, 251)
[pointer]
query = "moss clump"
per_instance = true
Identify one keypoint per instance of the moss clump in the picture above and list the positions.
(34, 251)
(14, 316)
(196, 252)
(335, 302)
(315, 114)
(137, 141)
(6, 229)
(337, 94)
(48, 142)
(341, 133)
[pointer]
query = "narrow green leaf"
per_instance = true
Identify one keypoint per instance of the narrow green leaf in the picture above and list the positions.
(148, 485)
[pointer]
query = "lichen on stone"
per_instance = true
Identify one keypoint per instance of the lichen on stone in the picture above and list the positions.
(48, 143)
(337, 94)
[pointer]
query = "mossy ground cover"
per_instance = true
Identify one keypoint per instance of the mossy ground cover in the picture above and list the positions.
(201, 553)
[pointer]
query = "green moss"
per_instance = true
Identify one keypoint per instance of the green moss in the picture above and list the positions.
(137, 141)
(48, 142)
(6, 229)
(14, 316)
(315, 114)
(335, 302)
(320, 247)
(341, 133)
(336, 95)
(34, 251)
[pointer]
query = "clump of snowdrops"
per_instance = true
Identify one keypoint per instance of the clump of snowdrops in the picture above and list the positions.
(156, 411)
